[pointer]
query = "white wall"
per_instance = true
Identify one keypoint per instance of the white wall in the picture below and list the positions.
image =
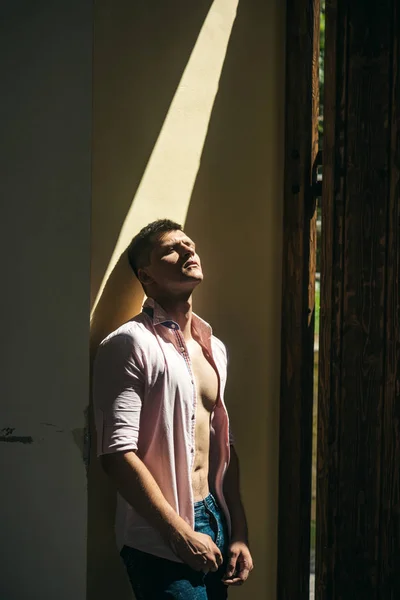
(45, 102)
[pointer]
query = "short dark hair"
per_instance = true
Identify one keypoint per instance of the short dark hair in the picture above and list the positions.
(140, 248)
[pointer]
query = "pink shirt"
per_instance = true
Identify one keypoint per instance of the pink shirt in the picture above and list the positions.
(145, 400)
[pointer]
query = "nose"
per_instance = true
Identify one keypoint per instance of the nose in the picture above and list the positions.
(187, 250)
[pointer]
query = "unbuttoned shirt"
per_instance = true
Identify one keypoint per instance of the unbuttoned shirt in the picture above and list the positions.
(145, 400)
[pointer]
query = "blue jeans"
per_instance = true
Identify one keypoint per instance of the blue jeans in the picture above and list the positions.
(154, 578)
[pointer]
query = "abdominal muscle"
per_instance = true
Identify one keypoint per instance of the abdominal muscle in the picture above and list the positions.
(201, 457)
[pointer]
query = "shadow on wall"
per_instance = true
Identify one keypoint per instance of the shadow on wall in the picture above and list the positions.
(234, 216)
(140, 52)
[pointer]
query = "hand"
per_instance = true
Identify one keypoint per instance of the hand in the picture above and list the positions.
(197, 550)
(240, 564)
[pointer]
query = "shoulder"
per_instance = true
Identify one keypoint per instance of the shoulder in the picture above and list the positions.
(133, 338)
(132, 330)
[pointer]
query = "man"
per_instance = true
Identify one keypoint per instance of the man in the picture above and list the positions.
(163, 433)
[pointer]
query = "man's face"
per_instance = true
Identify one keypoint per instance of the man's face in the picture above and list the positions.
(174, 265)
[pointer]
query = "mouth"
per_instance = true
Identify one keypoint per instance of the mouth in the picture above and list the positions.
(190, 263)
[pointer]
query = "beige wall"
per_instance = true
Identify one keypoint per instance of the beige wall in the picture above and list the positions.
(230, 201)
(45, 102)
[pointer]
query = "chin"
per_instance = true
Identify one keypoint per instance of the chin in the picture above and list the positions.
(193, 275)
(195, 280)
(192, 280)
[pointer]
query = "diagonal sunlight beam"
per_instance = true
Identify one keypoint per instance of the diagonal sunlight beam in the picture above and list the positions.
(167, 183)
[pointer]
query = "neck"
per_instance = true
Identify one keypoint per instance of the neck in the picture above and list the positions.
(180, 310)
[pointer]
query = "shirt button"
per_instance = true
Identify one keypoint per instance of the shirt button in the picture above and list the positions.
(192, 450)
(193, 417)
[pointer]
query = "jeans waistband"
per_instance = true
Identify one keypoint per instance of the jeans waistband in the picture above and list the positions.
(209, 502)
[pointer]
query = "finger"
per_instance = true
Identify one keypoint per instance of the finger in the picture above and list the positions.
(243, 573)
(209, 563)
(233, 581)
(213, 566)
(202, 564)
(243, 569)
(241, 576)
(218, 557)
(231, 565)
(237, 583)
(217, 552)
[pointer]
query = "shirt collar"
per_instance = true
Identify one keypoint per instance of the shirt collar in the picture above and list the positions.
(160, 317)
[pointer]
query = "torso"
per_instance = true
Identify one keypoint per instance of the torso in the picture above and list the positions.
(206, 380)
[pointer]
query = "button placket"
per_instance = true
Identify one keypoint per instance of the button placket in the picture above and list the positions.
(186, 357)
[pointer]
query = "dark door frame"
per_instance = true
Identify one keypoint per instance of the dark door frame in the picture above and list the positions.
(299, 243)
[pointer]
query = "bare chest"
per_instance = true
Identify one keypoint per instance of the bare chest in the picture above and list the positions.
(205, 376)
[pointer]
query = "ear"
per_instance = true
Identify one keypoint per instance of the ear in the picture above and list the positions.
(144, 277)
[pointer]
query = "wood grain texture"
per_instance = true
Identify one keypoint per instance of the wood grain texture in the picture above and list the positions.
(298, 301)
(330, 299)
(389, 574)
(358, 443)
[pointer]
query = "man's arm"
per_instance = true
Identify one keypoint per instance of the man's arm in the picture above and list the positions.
(139, 488)
(234, 501)
(240, 561)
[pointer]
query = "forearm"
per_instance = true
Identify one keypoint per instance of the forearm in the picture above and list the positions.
(139, 488)
(233, 499)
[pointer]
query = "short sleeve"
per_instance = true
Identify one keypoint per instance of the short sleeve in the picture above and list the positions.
(118, 388)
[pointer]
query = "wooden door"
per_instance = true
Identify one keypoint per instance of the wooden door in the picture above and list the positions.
(358, 486)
